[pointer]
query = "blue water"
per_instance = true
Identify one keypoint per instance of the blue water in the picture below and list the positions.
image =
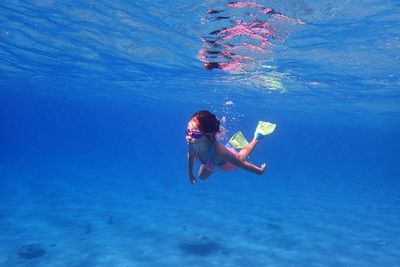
(94, 100)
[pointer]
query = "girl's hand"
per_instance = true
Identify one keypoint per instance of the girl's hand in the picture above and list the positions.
(262, 168)
(192, 179)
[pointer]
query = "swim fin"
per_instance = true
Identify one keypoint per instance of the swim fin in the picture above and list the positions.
(264, 128)
(237, 141)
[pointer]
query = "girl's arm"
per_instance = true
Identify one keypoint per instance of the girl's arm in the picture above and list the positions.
(191, 160)
(228, 156)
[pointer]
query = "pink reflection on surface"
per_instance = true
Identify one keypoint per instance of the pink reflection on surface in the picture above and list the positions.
(244, 5)
(239, 36)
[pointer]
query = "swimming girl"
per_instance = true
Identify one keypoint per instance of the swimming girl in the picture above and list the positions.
(201, 136)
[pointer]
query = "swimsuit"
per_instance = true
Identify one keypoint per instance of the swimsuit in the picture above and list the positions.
(210, 163)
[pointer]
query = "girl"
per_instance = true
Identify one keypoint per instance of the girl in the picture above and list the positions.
(203, 145)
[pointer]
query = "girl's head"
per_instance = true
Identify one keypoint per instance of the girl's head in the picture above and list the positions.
(203, 123)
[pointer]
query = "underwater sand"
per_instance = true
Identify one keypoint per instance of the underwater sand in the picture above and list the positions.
(243, 220)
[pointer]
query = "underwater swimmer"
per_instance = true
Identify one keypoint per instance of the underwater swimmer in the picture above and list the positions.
(203, 145)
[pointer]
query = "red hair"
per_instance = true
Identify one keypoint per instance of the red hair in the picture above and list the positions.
(206, 122)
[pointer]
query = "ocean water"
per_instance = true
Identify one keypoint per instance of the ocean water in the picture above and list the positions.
(95, 97)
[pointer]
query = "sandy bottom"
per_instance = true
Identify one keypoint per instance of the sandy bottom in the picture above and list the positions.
(82, 220)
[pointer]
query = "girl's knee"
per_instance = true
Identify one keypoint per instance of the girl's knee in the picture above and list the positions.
(204, 176)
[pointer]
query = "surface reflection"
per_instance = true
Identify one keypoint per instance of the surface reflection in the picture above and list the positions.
(240, 33)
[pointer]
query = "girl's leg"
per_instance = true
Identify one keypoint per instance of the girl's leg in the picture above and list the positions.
(246, 151)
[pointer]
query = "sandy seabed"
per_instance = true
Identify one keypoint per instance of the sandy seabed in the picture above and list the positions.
(82, 220)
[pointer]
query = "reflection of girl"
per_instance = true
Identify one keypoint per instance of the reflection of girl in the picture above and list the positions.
(243, 35)
(203, 145)
(257, 31)
(227, 60)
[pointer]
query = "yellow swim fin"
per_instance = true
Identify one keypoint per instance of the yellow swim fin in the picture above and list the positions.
(238, 141)
(264, 128)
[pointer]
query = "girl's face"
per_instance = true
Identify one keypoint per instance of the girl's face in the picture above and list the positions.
(193, 133)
